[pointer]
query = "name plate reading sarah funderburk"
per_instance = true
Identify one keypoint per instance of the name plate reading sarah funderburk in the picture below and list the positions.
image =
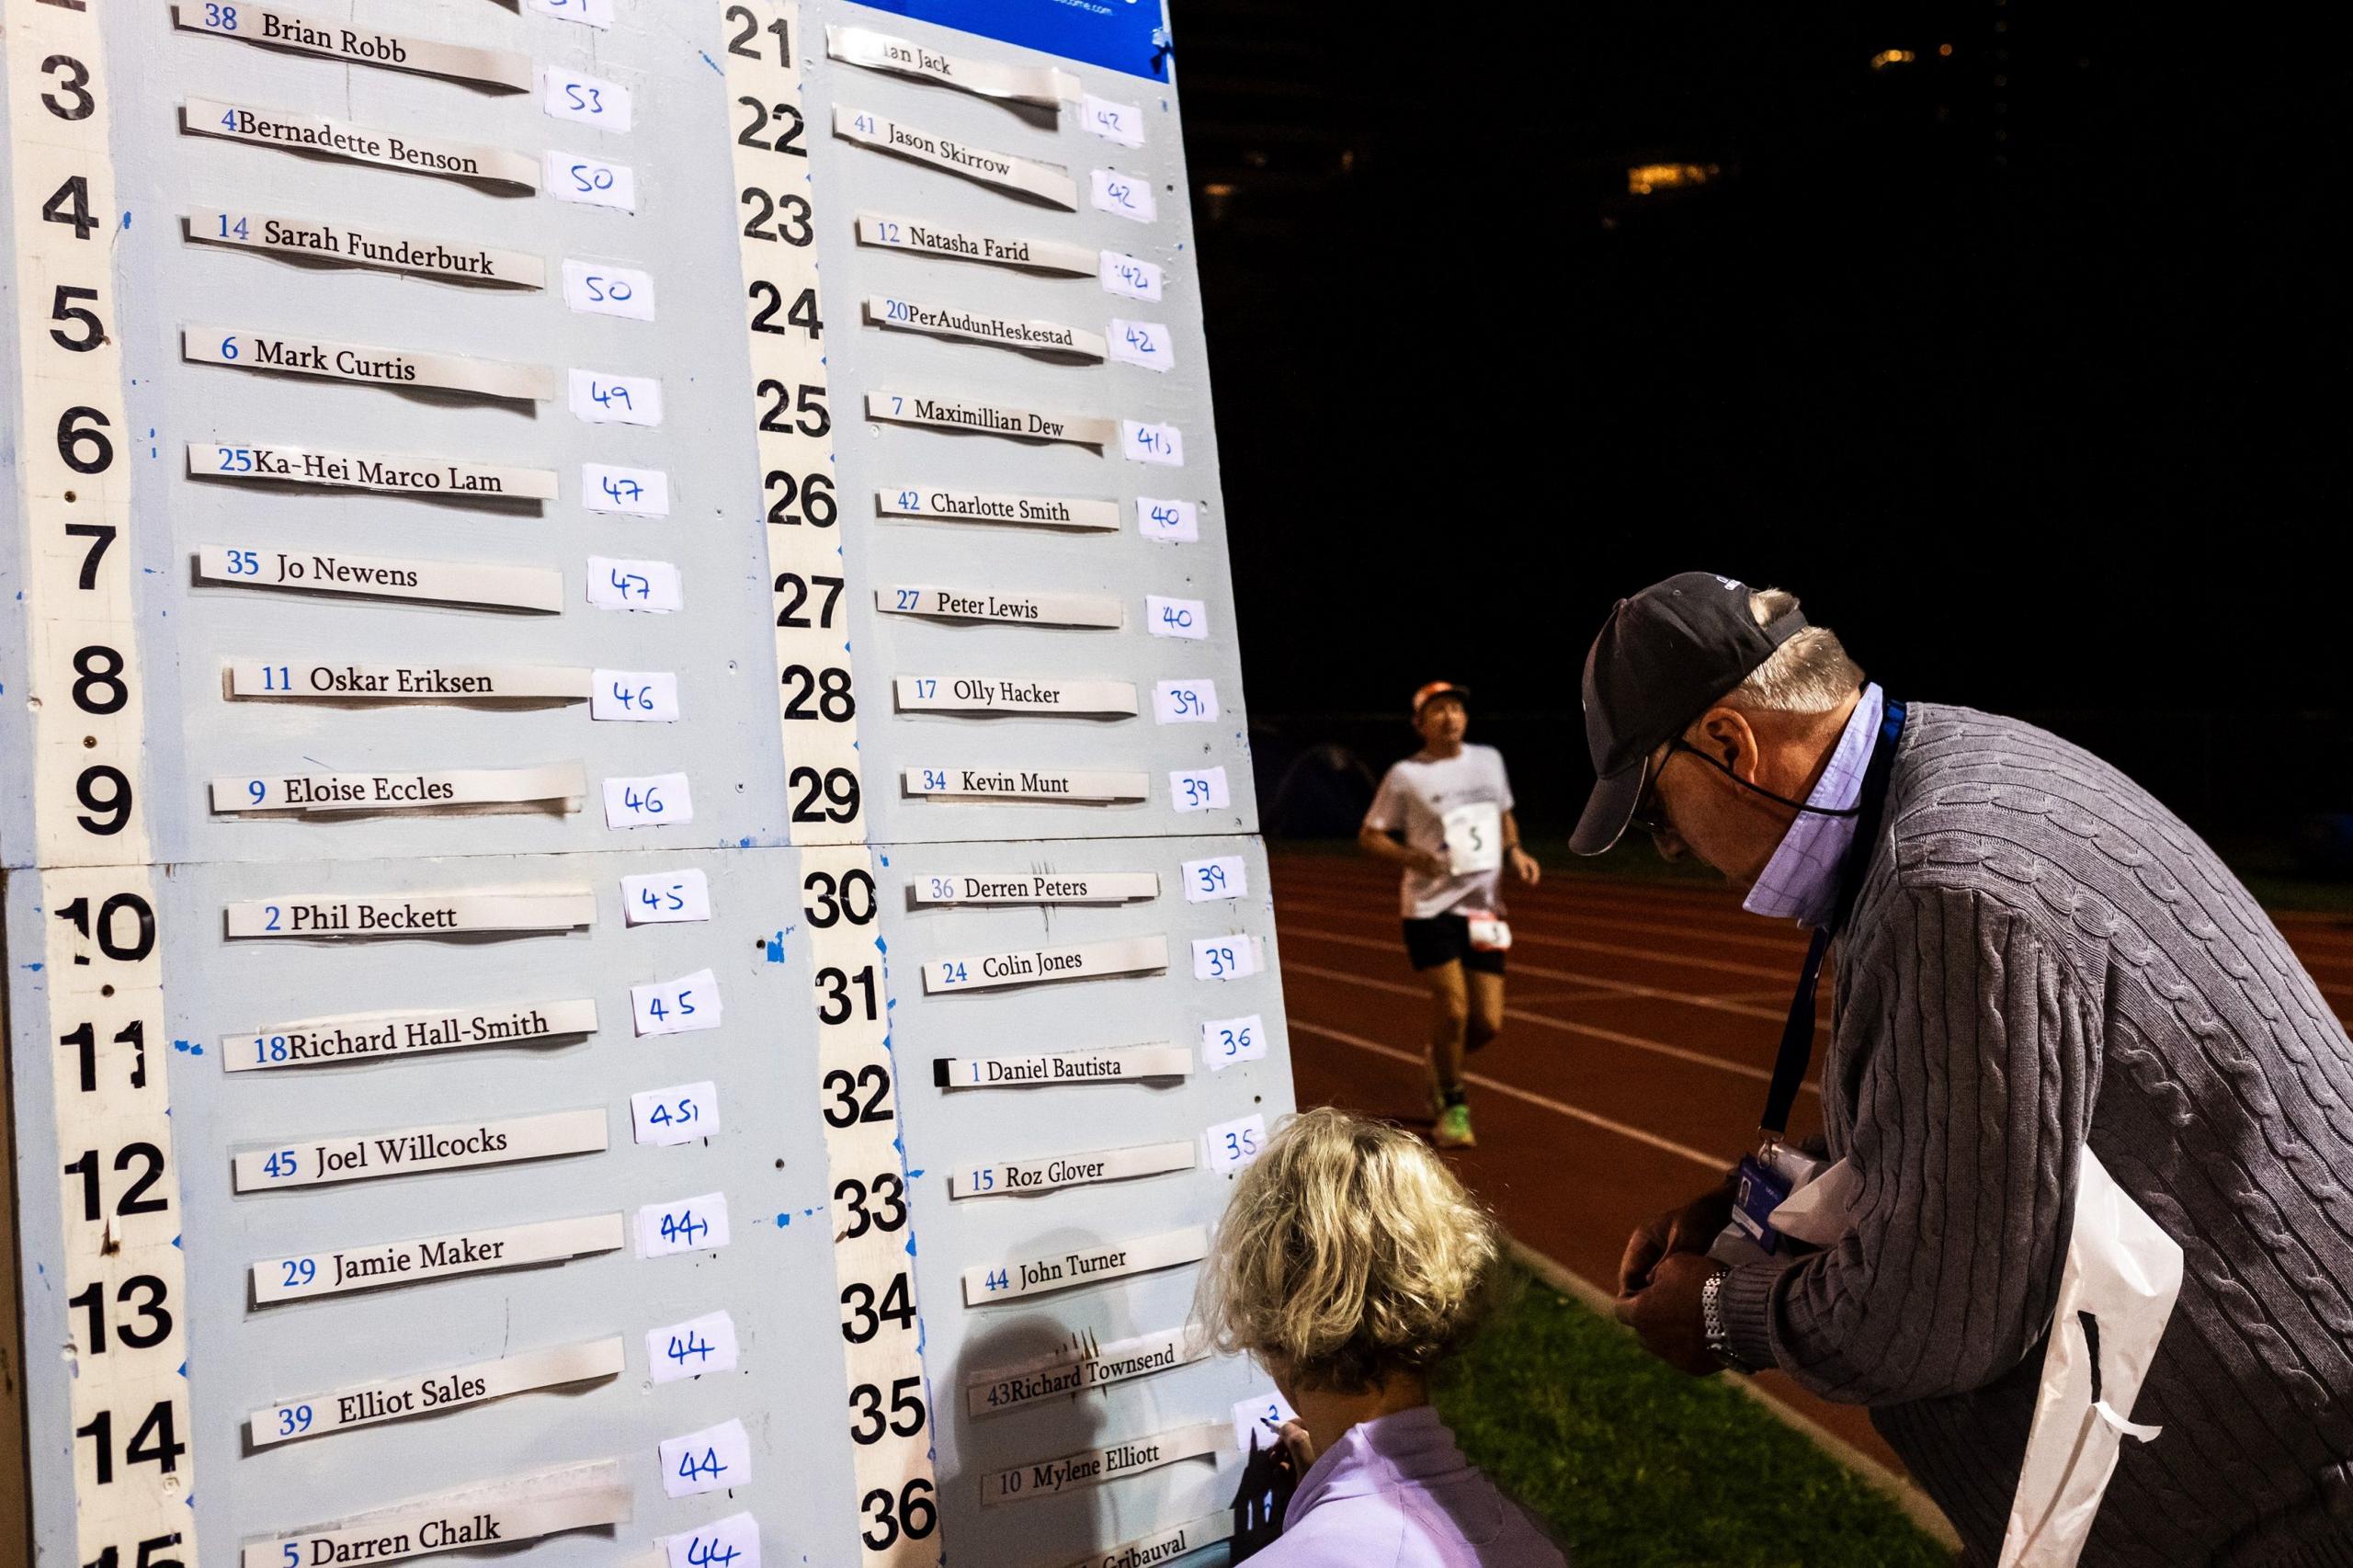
(1032, 966)
(990, 694)
(971, 244)
(356, 46)
(385, 577)
(361, 144)
(372, 366)
(427, 1393)
(400, 792)
(1162, 1545)
(1031, 1274)
(1002, 609)
(579, 1497)
(1034, 887)
(421, 914)
(1014, 1178)
(893, 314)
(408, 683)
(1122, 1065)
(956, 412)
(1092, 786)
(351, 245)
(977, 506)
(330, 1271)
(369, 471)
(1046, 182)
(311, 1162)
(1113, 1461)
(356, 1036)
(1048, 86)
(1082, 1368)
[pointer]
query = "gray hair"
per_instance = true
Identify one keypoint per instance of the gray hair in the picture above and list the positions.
(1809, 674)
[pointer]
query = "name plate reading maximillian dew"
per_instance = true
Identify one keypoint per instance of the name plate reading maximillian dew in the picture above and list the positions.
(975, 507)
(311, 1162)
(1114, 1462)
(1162, 1545)
(367, 470)
(890, 312)
(986, 694)
(1046, 182)
(1032, 1274)
(331, 1271)
(356, 46)
(1122, 1065)
(1035, 887)
(422, 915)
(360, 144)
(587, 1497)
(1097, 786)
(1048, 86)
(970, 244)
(385, 577)
(357, 1037)
(953, 412)
(1002, 609)
(400, 792)
(1012, 1177)
(408, 683)
(1032, 966)
(352, 245)
(1082, 1368)
(359, 362)
(426, 1393)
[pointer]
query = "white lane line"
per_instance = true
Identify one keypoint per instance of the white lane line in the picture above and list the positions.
(1612, 950)
(1760, 933)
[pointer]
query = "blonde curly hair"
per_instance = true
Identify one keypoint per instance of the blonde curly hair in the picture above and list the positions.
(1349, 1253)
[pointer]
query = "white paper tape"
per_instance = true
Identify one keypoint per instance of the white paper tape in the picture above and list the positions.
(633, 697)
(1114, 1462)
(599, 397)
(653, 587)
(683, 1224)
(1226, 958)
(1014, 694)
(682, 1006)
(352, 244)
(1031, 966)
(1116, 122)
(331, 1271)
(713, 1459)
(587, 13)
(205, 345)
(383, 577)
(731, 1542)
(1034, 887)
(310, 1161)
(973, 244)
(1118, 1065)
(1184, 702)
(679, 1114)
(1122, 196)
(1131, 275)
(398, 791)
(1045, 86)
(1226, 1042)
(1145, 343)
(659, 898)
(948, 411)
(355, 1037)
(591, 181)
(630, 492)
(367, 470)
(596, 287)
(897, 314)
(1007, 1178)
(654, 800)
(427, 1393)
(570, 94)
(525, 1508)
(1175, 522)
(1025, 784)
(1233, 1145)
(1147, 443)
(979, 506)
(360, 144)
(419, 914)
(1223, 877)
(1046, 182)
(1082, 1368)
(354, 46)
(691, 1348)
(1176, 618)
(308, 680)
(1199, 790)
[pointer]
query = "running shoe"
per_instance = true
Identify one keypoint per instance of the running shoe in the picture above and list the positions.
(1454, 1129)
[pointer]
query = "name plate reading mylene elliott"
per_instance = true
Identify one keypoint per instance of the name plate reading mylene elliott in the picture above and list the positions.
(1013, 1177)
(419, 914)
(360, 362)
(1031, 966)
(357, 1037)
(1046, 182)
(1118, 1065)
(1002, 609)
(1114, 1462)
(1162, 1545)
(311, 1162)
(426, 1393)
(1048, 86)
(367, 470)
(361, 144)
(579, 1497)
(971, 244)
(408, 683)
(978, 506)
(1035, 887)
(349, 245)
(1012, 694)
(1090, 785)
(331, 1271)
(1082, 1368)
(1032, 1274)
(956, 412)
(565, 781)
(356, 46)
(385, 577)
(896, 315)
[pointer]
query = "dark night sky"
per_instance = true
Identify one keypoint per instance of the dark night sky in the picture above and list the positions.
(2021, 364)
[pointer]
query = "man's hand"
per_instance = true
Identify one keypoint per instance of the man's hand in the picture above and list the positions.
(1692, 1228)
(1666, 1315)
(1524, 867)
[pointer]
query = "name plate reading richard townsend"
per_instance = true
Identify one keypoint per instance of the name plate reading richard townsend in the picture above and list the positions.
(1094, 786)
(384, 577)
(970, 244)
(957, 412)
(979, 506)
(331, 1271)
(1030, 966)
(1046, 182)
(579, 1497)
(896, 315)
(1035, 887)
(361, 144)
(349, 245)
(1082, 1368)
(401, 792)
(426, 1393)
(414, 915)
(407, 683)
(308, 1161)
(369, 471)
(1002, 609)
(1114, 1462)
(1012, 1177)
(1115, 1064)
(357, 1037)
(1044, 694)
(359, 362)
(1031, 1274)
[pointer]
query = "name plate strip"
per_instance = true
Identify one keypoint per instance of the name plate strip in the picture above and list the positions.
(369, 471)
(894, 314)
(1035, 1275)
(979, 784)
(1120, 1066)
(399, 792)
(205, 345)
(407, 683)
(1048, 183)
(1029, 966)
(1114, 1462)
(980, 694)
(455, 1145)
(371, 46)
(385, 577)
(353, 245)
(425, 1394)
(331, 1272)
(308, 914)
(1045, 86)
(951, 413)
(1081, 1370)
(1034, 887)
(581, 1497)
(354, 1037)
(1002, 609)
(360, 144)
(971, 244)
(1162, 1546)
(978, 506)
(1016, 1177)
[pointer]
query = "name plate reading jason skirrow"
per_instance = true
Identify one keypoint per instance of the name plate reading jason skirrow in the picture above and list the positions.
(408, 683)
(1118, 1065)
(331, 1271)
(896, 315)
(971, 244)
(976, 506)
(349, 245)
(385, 577)
(1082, 1368)
(401, 792)
(426, 1393)
(416, 914)
(1115, 1462)
(356, 46)
(1035, 887)
(1031, 1274)
(1046, 182)
(579, 1497)
(367, 470)
(1002, 609)
(952, 411)
(361, 144)
(310, 1162)
(1048, 86)
(988, 694)
(1094, 787)
(359, 362)
(356, 1036)
(1031, 966)
(1012, 1177)
(1162, 1545)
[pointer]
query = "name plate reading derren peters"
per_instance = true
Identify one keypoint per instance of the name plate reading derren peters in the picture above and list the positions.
(1002, 610)
(978, 506)
(357, 1037)
(1046, 182)
(369, 471)
(331, 1270)
(1114, 1462)
(1082, 1368)
(356, 46)
(1094, 787)
(1048, 86)
(408, 683)
(896, 315)
(310, 1162)
(1032, 1274)
(1031, 966)
(970, 244)
(587, 1497)
(375, 367)
(566, 782)
(360, 144)
(414, 915)
(425, 1394)
(950, 411)
(1034, 887)
(1013, 1177)
(986, 694)
(385, 577)
(1120, 1064)
(352, 245)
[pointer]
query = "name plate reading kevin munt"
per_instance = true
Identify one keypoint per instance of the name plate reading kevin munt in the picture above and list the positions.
(1114, 1462)
(311, 1162)
(369, 471)
(410, 792)
(351, 245)
(385, 577)
(414, 915)
(301, 679)
(978, 506)
(1115, 1064)
(971, 244)
(895, 314)
(357, 1037)
(987, 694)
(986, 604)
(298, 133)
(1049, 182)
(1047, 86)
(356, 46)
(1031, 966)
(1091, 786)
(426, 1393)
(579, 1497)
(1081, 1369)
(1029, 1275)
(360, 362)
(957, 412)
(1034, 887)
(1013, 1177)
(330, 1271)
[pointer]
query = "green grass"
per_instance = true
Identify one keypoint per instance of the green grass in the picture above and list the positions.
(1637, 1466)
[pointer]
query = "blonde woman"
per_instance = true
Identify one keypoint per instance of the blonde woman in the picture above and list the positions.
(1350, 1262)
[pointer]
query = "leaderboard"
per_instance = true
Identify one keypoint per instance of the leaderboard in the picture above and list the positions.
(633, 925)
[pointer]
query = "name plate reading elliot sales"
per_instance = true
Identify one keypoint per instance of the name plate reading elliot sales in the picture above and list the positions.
(331, 1271)
(1013, 1177)
(1002, 609)
(359, 362)
(588, 1497)
(1114, 1462)
(1096, 786)
(1117, 1064)
(310, 1162)
(1034, 887)
(385, 577)
(360, 144)
(1162, 1545)
(408, 683)
(970, 244)
(426, 1393)
(954, 412)
(1046, 182)
(1048, 86)
(356, 46)
(356, 1036)
(367, 470)
(352, 245)
(400, 792)
(1032, 1274)
(985, 693)
(1082, 1368)
(975, 507)
(420, 915)
(1031, 966)
(893, 314)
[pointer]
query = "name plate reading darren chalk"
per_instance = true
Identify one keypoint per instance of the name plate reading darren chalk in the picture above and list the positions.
(1081, 1369)
(244, 350)
(1114, 1462)
(987, 694)
(369, 471)
(399, 792)
(896, 315)
(1048, 86)
(950, 411)
(1034, 887)
(588, 1497)
(1122, 1065)
(1046, 182)
(349, 245)
(1002, 609)
(971, 244)
(356, 46)
(331, 1271)
(421, 914)
(313, 1162)
(297, 132)
(1032, 966)
(384, 577)
(427, 1393)
(356, 1036)
(1088, 785)
(977, 506)
(1013, 1177)
(407, 683)
(1033, 1274)
(1161, 1545)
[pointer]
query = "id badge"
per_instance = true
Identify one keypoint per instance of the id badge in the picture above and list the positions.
(1490, 933)
(1756, 1194)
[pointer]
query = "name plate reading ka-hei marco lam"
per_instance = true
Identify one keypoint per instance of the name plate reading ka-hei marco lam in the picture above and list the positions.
(369, 471)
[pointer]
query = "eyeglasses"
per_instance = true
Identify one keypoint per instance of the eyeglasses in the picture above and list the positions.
(1650, 812)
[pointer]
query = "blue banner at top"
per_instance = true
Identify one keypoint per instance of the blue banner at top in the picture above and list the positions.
(1114, 33)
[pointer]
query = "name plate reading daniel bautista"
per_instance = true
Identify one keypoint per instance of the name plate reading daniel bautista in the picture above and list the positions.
(424, 1394)
(401, 792)
(360, 1036)
(1016, 1177)
(1118, 1065)
(979, 506)
(1005, 610)
(331, 1271)
(310, 1162)
(1035, 887)
(954, 412)
(1034, 1274)
(421, 914)
(359, 362)
(369, 471)
(1012, 694)
(351, 245)
(1029, 966)
(579, 1497)
(1082, 1368)
(1115, 1462)
(1093, 786)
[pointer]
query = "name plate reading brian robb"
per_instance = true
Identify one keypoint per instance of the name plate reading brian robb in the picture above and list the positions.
(566, 782)
(893, 314)
(1091, 786)
(310, 1162)
(408, 683)
(951, 412)
(1002, 609)
(1029, 1274)
(385, 577)
(1015, 1176)
(975, 507)
(1034, 887)
(356, 46)
(351, 245)
(355, 1037)
(1046, 182)
(1082, 1368)
(421, 914)
(361, 144)
(1117, 1064)
(331, 1271)
(970, 244)
(425, 1394)
(367, 470)
(1115, 1462)
(1048, 86)
(985, 693)
(358, 362)
(1030, 966)
(579, 1497)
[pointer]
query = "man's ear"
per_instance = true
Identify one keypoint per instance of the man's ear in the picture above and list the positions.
(1726, 735)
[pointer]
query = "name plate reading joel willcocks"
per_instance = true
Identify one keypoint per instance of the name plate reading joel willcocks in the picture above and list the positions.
(419, 914)
(1032, 966)
(1162, 1545)
(1114, 1462)
(1092, 786)
(890, 312)
(311, 1162)
(976, 506)
(970, 244)
(1034, 887)
(369, 471)
(1033, 1274)
(331, 1271)
(385, 577)
(356, 46)
(427, 1393)
(1082, 1368)
(366, 364)
(401, 792)
(349, 244)
(984, 694)
(1120, 1064)
(1046, 182)
(1014, 1178)
(357, 1037)
(579, 1497)
(408, 683)
(1088, 610)
(298, 133)
(956, 412)
(1048, 86)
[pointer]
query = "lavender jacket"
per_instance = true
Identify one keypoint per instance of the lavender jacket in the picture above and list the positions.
(1396, 1492)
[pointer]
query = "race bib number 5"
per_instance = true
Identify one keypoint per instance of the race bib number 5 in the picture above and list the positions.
(1474, 837)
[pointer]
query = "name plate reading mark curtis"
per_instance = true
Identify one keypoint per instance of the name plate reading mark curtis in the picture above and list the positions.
(351, 245)
(1120, 1064)
(1035, 887)
(1032, 1274)
(1162, 1545)
(970, 244)
(356, 46)
(1048, 86)
(1091, 786)
(385, 577)
(896, 315)
(425, 1394)
(358, 362)
(360, 144)
(1046, 182)
(983, 694)
(975, 507)
(311, 1162)
(1031, 966)
(408, 683)
(331, 1271)
(1007, 609)
(955, 413)
(1114, 1462)
(1013, 1177)
(579, 1497)
(1082, 1368)
(367, 470)
(400, 792)
(422, 915)
(354, 1037)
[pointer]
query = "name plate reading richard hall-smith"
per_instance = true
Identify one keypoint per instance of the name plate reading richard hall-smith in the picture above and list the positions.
(426, 1393)
(977, 506)
(330, 1271)
(1031, 1274)
(349, 245)
(408, 683)
(310, 1162)
(579, 1497)
(420, 915)
(385, 577)
(970, 244)
(369, 471)
(1013, 1177)
(1034, 887)
(1002, 609)
(1081, 1370)
(360, 144)
(985, 693)
(955, 412)
(360, 362)
(1046, 182)
(357, 1037)
(1097, 786)
(1122, 1064)
(1031, 966)
(355, 45)
(1114, 1462)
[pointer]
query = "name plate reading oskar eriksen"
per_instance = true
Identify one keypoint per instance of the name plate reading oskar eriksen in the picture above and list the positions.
(975, 507)
(419, 914)
(369, 471)
(1082, 1368)
(1033, 1274)
(986, 694)
(308, 1161)
(408, 683)
(357, 46)
(1046, 182)
(1034, 887)
(358, 362)
(330, 1271)
(356, 1036)
(970, 244)
(424, 1394)
(361, 144)
(1002, 609)
(890, 312)
(385, 577)
(1162, 1545)
(1094, 786)
(1120, 1064)
(1114, 1462)
(1012, 1177)
(401, 792)
(1031, 966)
(579, 1497)
(1048, 86)
(352, 245)
(956, 412)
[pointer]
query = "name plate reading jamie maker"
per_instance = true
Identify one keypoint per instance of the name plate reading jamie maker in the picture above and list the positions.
(979, 507)
(1114, 1462)
(1031, 1274)
(1002, 609)
(1012, 694)
(1035, 887)
(357, 1037)
(308, 1161)
(1100, 786)
(1118, 1065)
(588, 1497)
(425, 1394)
(385, 577)
(369, 471)
(956, 412)
(1007, 1177)
(334, 1270)
(417, 915)
(361, 144)
(1030, 966)
(359, 362)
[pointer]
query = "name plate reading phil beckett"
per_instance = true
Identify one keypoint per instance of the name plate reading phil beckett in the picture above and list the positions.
(1034, 887)
(385, 577)
(349, 245)
(986, 694)
(367, 470)
(970, 244)
(360, 144)
(1082, 1368)
(311, 1162)
(1032, 1274)
(579, 1497)
(408, 683)
(1032, 966)
(1122, 1065)
(977, 506)
(401, 792)
(1002, 609)
(426, 1393)
(421, 914)
(1046, 182)
(1094, 787)
(1014, 1178)
(359, 362)
(953, 412)
(331, 1271)
(1047, 86)
(1114, 1462)
(893, 314)
(357, 1037)
(355, 45)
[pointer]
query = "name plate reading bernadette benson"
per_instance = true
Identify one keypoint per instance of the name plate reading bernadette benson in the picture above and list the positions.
(579, 1497)
(420, 915)
(981, 506)
(1032, 1274)
(1081, 1369)
(1013, 1177)
(331, 1271)
(1034, 887)
(1114, 1462)
(1002, 609)
(311, 1162)
(359, 362)
(970, 244)
(1031, 966)
(1043, 696)
(369, 471)
(426, 1393)
(385, 577)
(956, 412)
(1097, 786)
(1117, 1065)
(330, 138)
(400, 792)
(357, 1037)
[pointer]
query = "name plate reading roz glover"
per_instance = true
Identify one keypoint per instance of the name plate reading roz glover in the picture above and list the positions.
(360, 1036)
(407, 683)
(310, 1162)
(1002, 609)
(1048, 86)
(983, 694)
(423, 1393)
(1126, 1064)
(1012, 1177)
(1031, 1274)
(369, 471)
(204, 345)
(1081, 1370)
(356, 46)
(1029, 966)
(384, 577)
(399, 792)
(588, 1497)
(1114, 1462)
(360, 144)
(970, 244)
(424, 915)
(950, 411)
(1046, 182)
(1093, 786)
(331, 1271)
(349, 245)
(975, 507)
(1035, 887)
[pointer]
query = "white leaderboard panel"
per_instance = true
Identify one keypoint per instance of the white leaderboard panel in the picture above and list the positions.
(633, 925)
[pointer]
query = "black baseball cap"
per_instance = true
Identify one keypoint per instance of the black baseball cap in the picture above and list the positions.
(1662, 658)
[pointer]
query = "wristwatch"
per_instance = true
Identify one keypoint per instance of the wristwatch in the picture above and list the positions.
(1712, 1323)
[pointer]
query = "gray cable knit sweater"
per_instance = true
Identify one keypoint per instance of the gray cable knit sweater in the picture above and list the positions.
(2040, 952)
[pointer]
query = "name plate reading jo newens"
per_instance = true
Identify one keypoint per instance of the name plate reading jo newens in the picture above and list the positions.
(1114, 1462)
(1048, 86)
(356, 46)
(1035, 887)
(357, 1037)
(984, 694)
(1031, 966)
(896, 315)
(955, 412)
(1091, 786)
(310, 1162)
(1002, 609)
(351, 245)
(408, 683)
(331, 1271)
(400, 792)
(422, 915)
(425, 1394)
(385, 577)
(367, 470)
(1081, 1370)
(1029, 1275)
(1122, 1065)
(970, 244)
(581, 1497)
(360, 362)
(1048, 183)
(1012, 1177)
(360, 144)
(976, 506)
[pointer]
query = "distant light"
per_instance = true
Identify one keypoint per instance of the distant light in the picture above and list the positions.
(1217, 190)
(1644, 178)
(1944, 49)
(1887, 57)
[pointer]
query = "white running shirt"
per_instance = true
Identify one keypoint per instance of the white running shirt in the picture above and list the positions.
(1456, 808)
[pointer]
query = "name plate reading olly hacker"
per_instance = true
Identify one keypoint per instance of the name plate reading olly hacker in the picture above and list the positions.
(958, 411)
(311, 1162)
(587, 1497)
(297, 132)
(356, 1036)
(425, 1394)
(1082, 1368)
(1034, 887)
(330, 1271)
(1032, 1274)
(1014, 1178)
(893, 314)
(970, 244)
(351, 245)
(1089, 786)
(1031, 966)
(408, 683)
(400, 792)
(385, 577)
(1122, 1065)
(1114, 1462)
(359, 362)
(984, 694)
(356, 46)
(419, 914)
(1046, 182)
(367, 470)
(975, 507)
(1005, 610)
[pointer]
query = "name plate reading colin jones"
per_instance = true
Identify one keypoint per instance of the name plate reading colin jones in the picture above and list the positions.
(1045, 86)
(1012, 1177)
(408, 683)
(359, 362)
(355, 1037)
(400, 792)
(1046, 182)
(1035, 887)
(331, 1271)
(310, 1162)
(1082, 1368)
(385, 577)
(1030, 966)
(369, 471)
(356, 46)
(420, 915)
(1114, 1462)
(895, 314)
(426, 1393)
(971, 244)
(352, 245)
(954, 412)
(1118, 1065)
(360, 144)
(1093, 786)
(1029, 1274)
(977, 506)
(1002, 609)
(1162, 1545)
(986, 694)
(579, 1497)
